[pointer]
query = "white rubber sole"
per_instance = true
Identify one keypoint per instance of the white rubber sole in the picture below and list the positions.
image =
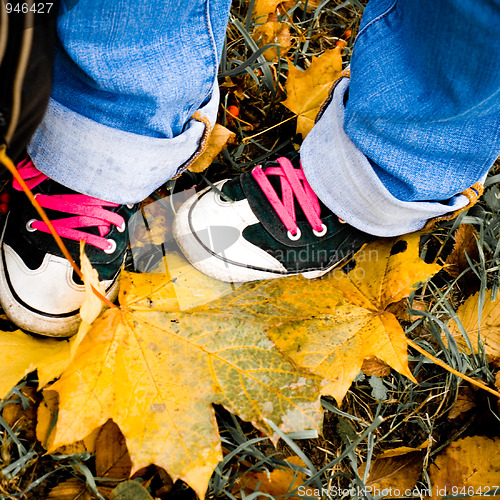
(36, 322)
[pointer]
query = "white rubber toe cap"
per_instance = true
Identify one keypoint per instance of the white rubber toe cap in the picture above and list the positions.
(209, 232)
(44, 300)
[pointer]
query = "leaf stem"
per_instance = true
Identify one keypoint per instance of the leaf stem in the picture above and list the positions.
(442, 364)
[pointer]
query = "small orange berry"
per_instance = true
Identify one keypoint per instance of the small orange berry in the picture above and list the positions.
(233, 110)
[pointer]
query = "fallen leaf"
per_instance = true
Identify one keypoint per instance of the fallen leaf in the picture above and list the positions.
(22, 353)
(219, 138)
(488, 328)
(277, 483)
(273, 32)
(155, 479)
(308, 90)
(19, 418)
(469, 466)
(334, 345)
(92, 305)
(374, 366)
(465, 401)
(150, 365)
(156, 373)
(71, 489)
(263, 8)
(395, 471)
(46, 421)
(465, 244)
(112, 459)
(130, 490)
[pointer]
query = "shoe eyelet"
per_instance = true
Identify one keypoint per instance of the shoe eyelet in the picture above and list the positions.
(323, 231)
(29, 226)
(342, 221)
(130, 205)
(121, 229)
(112, 247)
(294, 237)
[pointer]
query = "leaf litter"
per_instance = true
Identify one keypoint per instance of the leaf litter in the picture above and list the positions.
(249, 350)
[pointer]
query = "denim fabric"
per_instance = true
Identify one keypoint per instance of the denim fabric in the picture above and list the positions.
(128, 78)
(420, 125)
(422, 120)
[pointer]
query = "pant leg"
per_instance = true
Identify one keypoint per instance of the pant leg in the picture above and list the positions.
(422, 119)
(129, 76)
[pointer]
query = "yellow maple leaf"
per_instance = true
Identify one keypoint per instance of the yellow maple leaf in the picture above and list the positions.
(156, 373)
(488, 328)
(308, 90)
(357, 327)
(22, 353)
(218, 140)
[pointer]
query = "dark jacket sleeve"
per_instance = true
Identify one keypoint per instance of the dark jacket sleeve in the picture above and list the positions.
(35, 77)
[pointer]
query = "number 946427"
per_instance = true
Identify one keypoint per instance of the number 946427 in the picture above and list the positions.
(25, 7)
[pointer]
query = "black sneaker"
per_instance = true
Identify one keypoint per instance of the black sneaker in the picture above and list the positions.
(268, 224)
(39, 291)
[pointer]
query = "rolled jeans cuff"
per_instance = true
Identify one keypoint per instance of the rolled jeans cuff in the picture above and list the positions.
(111, 164)
(344, 180)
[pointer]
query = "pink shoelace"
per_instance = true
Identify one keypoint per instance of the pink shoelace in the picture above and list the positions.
(293, 183)
(89, 212)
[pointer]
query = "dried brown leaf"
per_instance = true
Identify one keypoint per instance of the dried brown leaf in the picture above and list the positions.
(375, 366)
(465, 401)
(72, 489)
(465, 244)
(219, 139)
(467, 466)
(112, 459)
(19, 418)
(276, 483)
(395, 471)
(273, 32)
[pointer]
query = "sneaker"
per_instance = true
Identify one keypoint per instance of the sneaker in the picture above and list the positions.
(39, 291)
(267, 223)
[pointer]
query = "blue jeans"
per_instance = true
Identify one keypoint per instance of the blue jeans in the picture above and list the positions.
(422, 119)
(135, 86)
